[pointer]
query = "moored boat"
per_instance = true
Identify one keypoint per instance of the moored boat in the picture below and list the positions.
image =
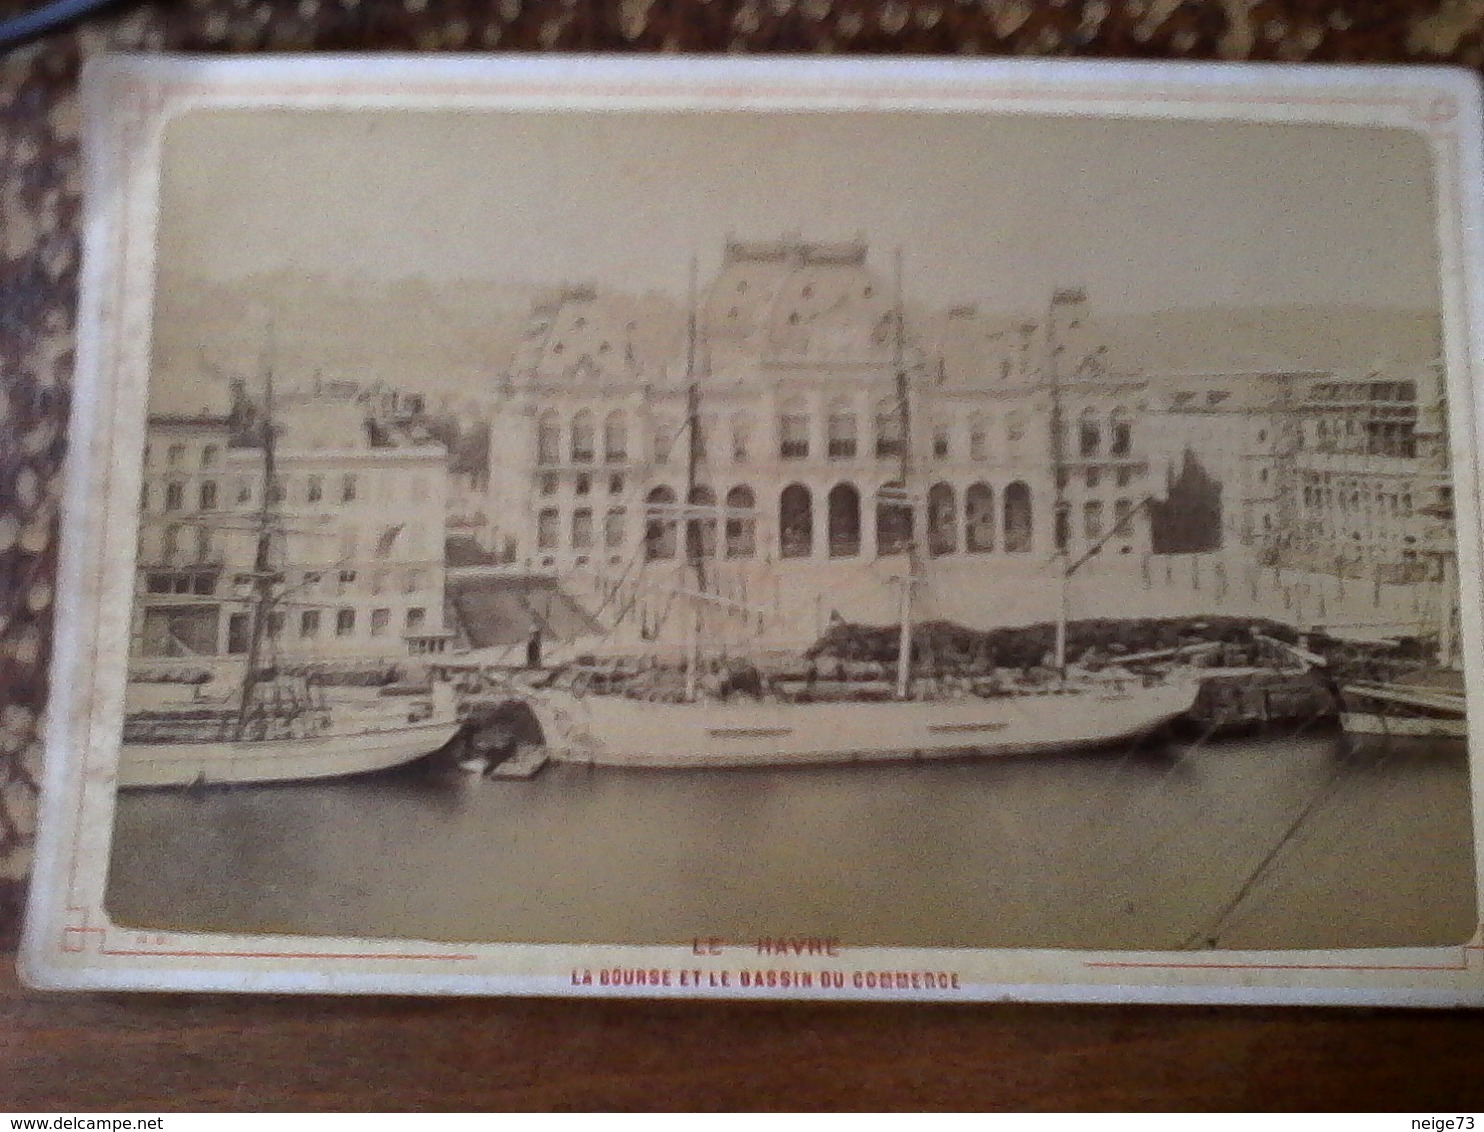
(614, 730)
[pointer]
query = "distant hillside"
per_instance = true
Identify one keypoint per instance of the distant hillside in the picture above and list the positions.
(1300, 337)
(455, 340)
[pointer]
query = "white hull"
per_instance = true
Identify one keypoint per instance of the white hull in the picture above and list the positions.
(280, 760)
(1402, 726)
(616, 731)
(1420, 711)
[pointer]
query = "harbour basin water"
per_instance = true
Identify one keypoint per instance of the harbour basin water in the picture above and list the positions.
(1249, 843)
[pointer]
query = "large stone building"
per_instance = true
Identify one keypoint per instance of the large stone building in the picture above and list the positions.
(792, 375)
(1373, 490)
(354, 516)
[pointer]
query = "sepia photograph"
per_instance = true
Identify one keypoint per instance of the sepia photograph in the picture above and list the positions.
(796, 529)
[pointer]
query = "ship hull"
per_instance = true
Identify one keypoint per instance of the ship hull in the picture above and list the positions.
(1403, 727)
(1412, 711)
(620, 732)
(279, 760)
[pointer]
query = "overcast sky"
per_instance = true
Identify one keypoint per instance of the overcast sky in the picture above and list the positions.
(990, 210)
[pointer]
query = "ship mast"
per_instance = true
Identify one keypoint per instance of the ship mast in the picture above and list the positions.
(904, 408)
(694, 556)
(1061, 522)
(262, 559)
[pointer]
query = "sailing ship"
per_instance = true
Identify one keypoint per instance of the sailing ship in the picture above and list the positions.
(260, 721)
(1427, 702)
(729, 714)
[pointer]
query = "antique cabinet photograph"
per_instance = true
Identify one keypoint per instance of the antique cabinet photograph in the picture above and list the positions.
(923, 530)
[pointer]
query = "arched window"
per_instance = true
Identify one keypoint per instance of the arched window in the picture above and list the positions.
(659, 524)
(741, 525)
(893, 520)
(700, 529)
(1019, 519)
(844, 521)
(795, 522)
(209, 455)
(549, 438)
(889, 431)
(942, 520)
(979, 518)
(1121, 442)
(841, 431)
(793, 430)
(582, 438)
(1089, 433)
(978, 437)
(615, 438)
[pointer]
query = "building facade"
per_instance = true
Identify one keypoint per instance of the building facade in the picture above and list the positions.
(1372, 481)
(354, 520)
(801, 439)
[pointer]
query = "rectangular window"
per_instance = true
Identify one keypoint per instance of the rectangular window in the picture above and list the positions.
(237, 633)
(380, 619)
(345, 622)
(842, 436)
(793, 436)
(244, 491)
(1093, 477)
(1092, 520)
(275, 625)
(1123, 438)
(546, 529)
(174, 455)
(203, 585)
(309, 623)
(348, 489)
(208, 496)
(174, 496)
(158, 583)
(978, 442)
(582, 529)
(1089, 438)
(940, 441)
(741, 441)
(613, 525)
(314, 489)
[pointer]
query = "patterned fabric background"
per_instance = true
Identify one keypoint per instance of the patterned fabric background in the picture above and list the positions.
(40, 182)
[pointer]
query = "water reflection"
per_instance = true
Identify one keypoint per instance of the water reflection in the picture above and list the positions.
(1256, 843)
